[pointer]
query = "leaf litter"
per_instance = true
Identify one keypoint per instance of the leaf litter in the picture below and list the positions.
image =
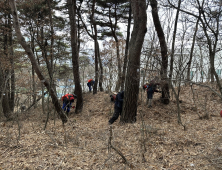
(156, 141)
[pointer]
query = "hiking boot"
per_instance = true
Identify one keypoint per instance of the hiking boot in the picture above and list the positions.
(149, 106)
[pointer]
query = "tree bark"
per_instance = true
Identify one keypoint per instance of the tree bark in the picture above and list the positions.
(96, 48)
(75, 54)
(133, 72)
(34, 63)
(101, 70)
(11, 55)
(163, 46)
(6, 72)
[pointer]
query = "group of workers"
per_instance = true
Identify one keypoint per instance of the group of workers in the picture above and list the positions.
(118, 98)
(68, 99)
(150, 88)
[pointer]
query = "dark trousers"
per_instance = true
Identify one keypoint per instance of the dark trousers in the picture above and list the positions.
(89, 85)
(150, 95)
(66, 105)
(115, 116)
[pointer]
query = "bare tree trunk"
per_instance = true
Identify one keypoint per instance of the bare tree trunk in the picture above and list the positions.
(12, 78)
(191, 52)
(6, 73)
(133, 72)
(201, 64)
(118, 83)
(75, 54)
(101, 69)
(33, 71)
(34, 63)
(173, 43)
(110, 72)
(163, 46)
(96, 49)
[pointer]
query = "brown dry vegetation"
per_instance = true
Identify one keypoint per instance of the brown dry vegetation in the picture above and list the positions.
(155, 141)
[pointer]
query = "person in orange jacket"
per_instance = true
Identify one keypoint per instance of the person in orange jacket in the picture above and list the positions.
(90, 83)
(68, 99)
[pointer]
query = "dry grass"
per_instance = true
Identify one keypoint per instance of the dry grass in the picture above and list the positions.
(155, 141)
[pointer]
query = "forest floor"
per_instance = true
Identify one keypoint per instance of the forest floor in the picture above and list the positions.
(155, 142)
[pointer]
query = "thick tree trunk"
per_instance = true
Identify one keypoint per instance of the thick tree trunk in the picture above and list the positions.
(6, 73)
(34, 63)
(163, 46)
(133, 72)
(75, 54)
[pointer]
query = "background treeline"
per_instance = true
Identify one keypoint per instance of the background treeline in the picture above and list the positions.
(120, 44)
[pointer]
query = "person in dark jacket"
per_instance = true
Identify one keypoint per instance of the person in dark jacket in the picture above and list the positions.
(68, 99)
(90, 84)
(151, 88)
(117, 107)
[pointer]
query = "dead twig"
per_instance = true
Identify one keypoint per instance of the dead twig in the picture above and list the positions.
(110, 146)
(106, 161)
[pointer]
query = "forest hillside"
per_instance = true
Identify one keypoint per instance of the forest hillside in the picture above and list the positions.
(156, 141)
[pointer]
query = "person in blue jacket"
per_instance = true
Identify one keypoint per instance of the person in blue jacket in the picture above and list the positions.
(151, 88)
(117, 107)
(90, 84)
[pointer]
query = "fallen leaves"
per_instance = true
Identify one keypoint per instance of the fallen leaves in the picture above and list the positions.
(86, 145)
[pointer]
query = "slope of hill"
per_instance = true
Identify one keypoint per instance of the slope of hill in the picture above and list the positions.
(155, 141)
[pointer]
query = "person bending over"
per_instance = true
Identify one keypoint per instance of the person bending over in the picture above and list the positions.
(68, 99)
(117, 107)
(90, 84)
